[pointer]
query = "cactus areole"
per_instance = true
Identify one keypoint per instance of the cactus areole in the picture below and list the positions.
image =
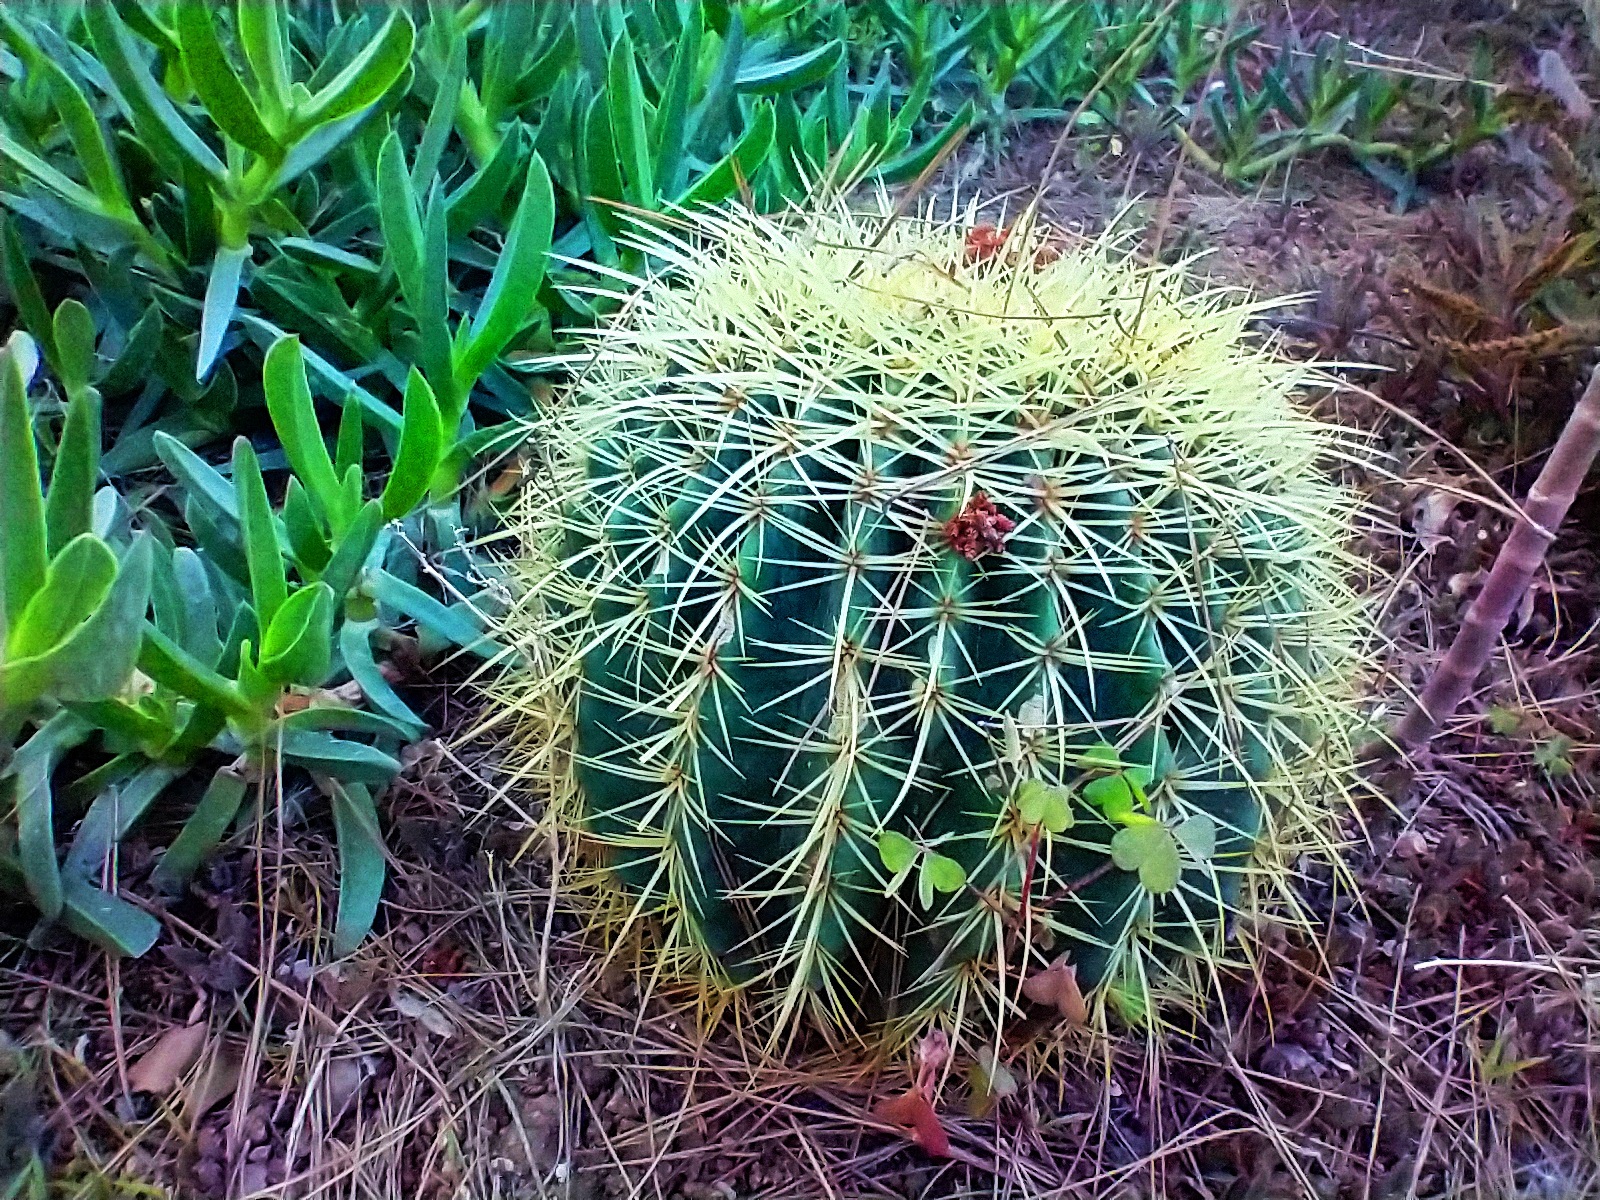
(909, 620)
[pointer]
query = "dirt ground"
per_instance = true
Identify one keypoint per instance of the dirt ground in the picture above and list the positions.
(1429, 1027)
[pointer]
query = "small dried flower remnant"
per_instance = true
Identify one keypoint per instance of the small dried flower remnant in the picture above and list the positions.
(978, 529)
(984, 242)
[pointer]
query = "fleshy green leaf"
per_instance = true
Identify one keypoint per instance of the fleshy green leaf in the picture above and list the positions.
(338, 758)
(222, 296)
(74, 338)
(157, 122)
(351, 550)
(200, 479)
(297, 645)
(368, 76)
(76, 582)
(918, 159)
(742, 162)
(216, 83)
(350, 447)
(361, 865)
(670, 128)
(29, 303)
(790, 74)
(486, 190)
(514, 286)
(355, 646)
(23, 539)
(421, 447)
(444, 621)
(96, 659)
(398, 219)
(169, 664)
(69, 507)
(269, 587)
(89, 143)
(29, 781)
(202, 832)
(261, 34)
(108, 921)
(294, 417)
(628, 126)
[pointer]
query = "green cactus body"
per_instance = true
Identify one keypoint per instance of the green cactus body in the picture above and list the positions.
(846, 537)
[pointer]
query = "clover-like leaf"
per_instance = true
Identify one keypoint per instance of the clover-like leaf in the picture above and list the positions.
(1152, 851)
(1506, 722)
(945, 874)
(1040, 805)
(1198, 835)
(896, 850)
(1112, 795)
(1102, 756)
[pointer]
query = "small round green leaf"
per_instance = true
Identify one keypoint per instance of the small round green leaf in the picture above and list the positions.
(1041, 805)
(1198, 835)
(1102, 756)
(1152, 851)
(944, 874)
(896, 850)
(74, 331)
(1111, 795)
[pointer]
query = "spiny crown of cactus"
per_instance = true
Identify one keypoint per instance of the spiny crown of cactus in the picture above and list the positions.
(916, 608)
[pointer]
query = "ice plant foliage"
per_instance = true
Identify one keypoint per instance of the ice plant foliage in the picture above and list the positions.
(906, 621)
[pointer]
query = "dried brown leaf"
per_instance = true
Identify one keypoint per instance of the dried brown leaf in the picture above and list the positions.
(1057, 987)
(215, 1082)
(160, 1067)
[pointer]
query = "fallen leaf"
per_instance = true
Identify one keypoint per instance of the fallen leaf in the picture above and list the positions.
(409, 1004)
(345, 1078)
(348, 983)
(911, 1111)
(160, 1067)
(991, 1082)
(215, 1081)
(1430, 517)
(1057, 987)
(1556, 77)
(443, 963)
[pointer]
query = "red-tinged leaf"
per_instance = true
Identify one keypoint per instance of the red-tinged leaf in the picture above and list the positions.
(911, 1112)
(1057, 987)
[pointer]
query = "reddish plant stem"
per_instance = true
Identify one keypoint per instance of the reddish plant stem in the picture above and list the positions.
(1542, 513)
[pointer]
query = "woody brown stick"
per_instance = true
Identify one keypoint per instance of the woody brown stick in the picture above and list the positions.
(1544, 509)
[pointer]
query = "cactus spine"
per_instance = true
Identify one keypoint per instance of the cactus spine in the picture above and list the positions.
(890, 589)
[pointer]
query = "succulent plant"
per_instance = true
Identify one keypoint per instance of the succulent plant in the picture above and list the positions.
(917, 607)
